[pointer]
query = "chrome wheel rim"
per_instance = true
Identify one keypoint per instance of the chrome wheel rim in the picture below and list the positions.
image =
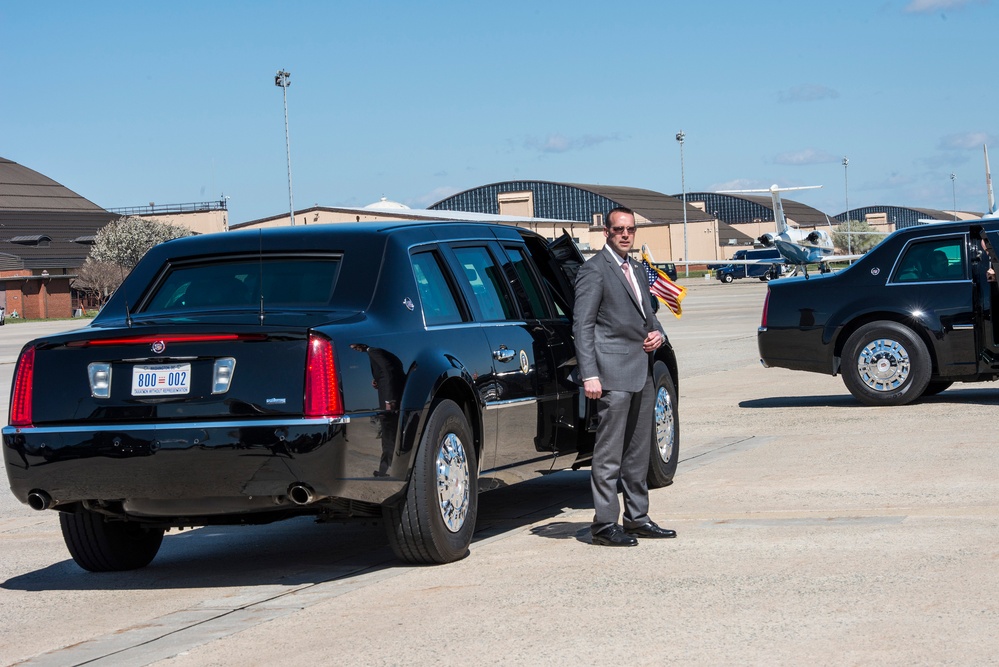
(664, 424)
(452, 482)
(883, 365)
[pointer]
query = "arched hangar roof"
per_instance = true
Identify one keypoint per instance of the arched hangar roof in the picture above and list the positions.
(573, 201)
(41, 219)
(736, 209)
(902, 216)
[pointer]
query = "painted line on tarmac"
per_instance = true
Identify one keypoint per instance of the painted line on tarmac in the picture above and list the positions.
(704, 454)
(174, 633)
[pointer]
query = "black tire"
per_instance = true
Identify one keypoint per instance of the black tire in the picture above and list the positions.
(885, 363)
(665, 430)
(436, 520)
(99, 545)
(934, 388)
(727, 278)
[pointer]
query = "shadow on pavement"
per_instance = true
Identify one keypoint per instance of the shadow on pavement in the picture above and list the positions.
(953, 395)
(299, 552)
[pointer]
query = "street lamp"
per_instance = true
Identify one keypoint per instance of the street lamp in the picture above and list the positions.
(283, 79)
(683, 185)
(717, 235)
(953, 188)
(846, 194)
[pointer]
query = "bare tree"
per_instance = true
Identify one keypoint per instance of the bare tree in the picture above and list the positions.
(99, 279)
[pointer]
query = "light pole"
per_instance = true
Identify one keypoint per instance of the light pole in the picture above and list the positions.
(953, 189)
(283, 79)
(717, 236)
(683, 186)
(846, 194)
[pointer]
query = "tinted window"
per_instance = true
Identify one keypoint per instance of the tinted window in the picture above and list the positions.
(439, 305)
(286, 282)
(932, 261)
(526, 287)
(486, 280)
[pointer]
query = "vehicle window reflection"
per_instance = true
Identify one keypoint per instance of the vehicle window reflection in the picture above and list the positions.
(439, 304)
(526, 288)
(487, 283)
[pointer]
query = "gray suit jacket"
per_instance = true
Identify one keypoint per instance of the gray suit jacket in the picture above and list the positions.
(609, 327)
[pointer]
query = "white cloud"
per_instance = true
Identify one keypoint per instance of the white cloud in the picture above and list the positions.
(432, 197)
(559, 143)
(964, 141)
(929, 6)
(805, 157)
(738, 184)
(807, 92)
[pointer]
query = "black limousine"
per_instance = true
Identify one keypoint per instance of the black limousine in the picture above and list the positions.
(910, 318)
(356, 370)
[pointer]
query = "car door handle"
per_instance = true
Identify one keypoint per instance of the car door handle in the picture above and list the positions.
(503, 354)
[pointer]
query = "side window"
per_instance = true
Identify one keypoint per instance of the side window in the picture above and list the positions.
(526, 287)
(938, 260)
(486, 281)
(439, 304)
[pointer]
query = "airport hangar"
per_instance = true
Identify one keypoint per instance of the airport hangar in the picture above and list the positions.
(717, 224)
(46, 229)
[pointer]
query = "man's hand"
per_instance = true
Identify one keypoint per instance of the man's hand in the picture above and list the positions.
(592, 388)
(652, 341)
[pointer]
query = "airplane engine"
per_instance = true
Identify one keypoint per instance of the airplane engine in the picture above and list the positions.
(818, 237)
(767, 240)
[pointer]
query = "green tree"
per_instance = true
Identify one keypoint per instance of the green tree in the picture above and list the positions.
(125, 240)
(855, 237)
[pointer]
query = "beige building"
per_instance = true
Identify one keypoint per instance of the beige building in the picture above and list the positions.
(200, 217)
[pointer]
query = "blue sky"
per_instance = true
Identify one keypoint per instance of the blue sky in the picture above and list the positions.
(128, 103)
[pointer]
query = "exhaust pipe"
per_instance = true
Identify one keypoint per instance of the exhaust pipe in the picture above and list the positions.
(39, 500)
(302, 494)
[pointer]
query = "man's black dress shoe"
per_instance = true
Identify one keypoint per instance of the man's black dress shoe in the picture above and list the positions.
(650, 530)
(613, 536)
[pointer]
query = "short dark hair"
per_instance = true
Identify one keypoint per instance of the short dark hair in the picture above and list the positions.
(617, 209)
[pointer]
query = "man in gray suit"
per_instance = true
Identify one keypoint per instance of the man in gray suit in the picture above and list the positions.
(616, 333)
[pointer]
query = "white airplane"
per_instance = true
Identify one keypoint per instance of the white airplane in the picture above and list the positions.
(797, 247)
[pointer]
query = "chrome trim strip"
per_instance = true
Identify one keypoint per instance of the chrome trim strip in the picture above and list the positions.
(963, 327)
(169, 426)
(496, 405)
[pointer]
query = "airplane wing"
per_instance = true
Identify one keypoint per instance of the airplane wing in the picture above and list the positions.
(765, 260)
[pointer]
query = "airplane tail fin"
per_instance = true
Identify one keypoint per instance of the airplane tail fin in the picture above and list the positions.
(779, 218)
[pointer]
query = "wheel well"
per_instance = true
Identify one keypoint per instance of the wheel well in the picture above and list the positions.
(668, 358)
(913, 325)
(457, 390)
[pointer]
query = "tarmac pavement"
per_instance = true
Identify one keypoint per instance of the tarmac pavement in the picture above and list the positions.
(812, 529)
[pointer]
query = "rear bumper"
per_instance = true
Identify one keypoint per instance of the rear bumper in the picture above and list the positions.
(240, 459)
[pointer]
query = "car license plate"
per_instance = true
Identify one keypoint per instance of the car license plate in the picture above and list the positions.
(161, 380)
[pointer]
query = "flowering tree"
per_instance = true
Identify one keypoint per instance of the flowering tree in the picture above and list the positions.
(125, 240)
(118, 247)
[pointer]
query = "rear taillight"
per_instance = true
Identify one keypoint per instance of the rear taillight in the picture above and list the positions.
(766, 307)
(24, 380)
(322, 388)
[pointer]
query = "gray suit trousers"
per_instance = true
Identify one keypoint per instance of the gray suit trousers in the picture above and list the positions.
(621, 454)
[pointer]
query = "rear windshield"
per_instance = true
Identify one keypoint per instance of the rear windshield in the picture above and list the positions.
(294, 282)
